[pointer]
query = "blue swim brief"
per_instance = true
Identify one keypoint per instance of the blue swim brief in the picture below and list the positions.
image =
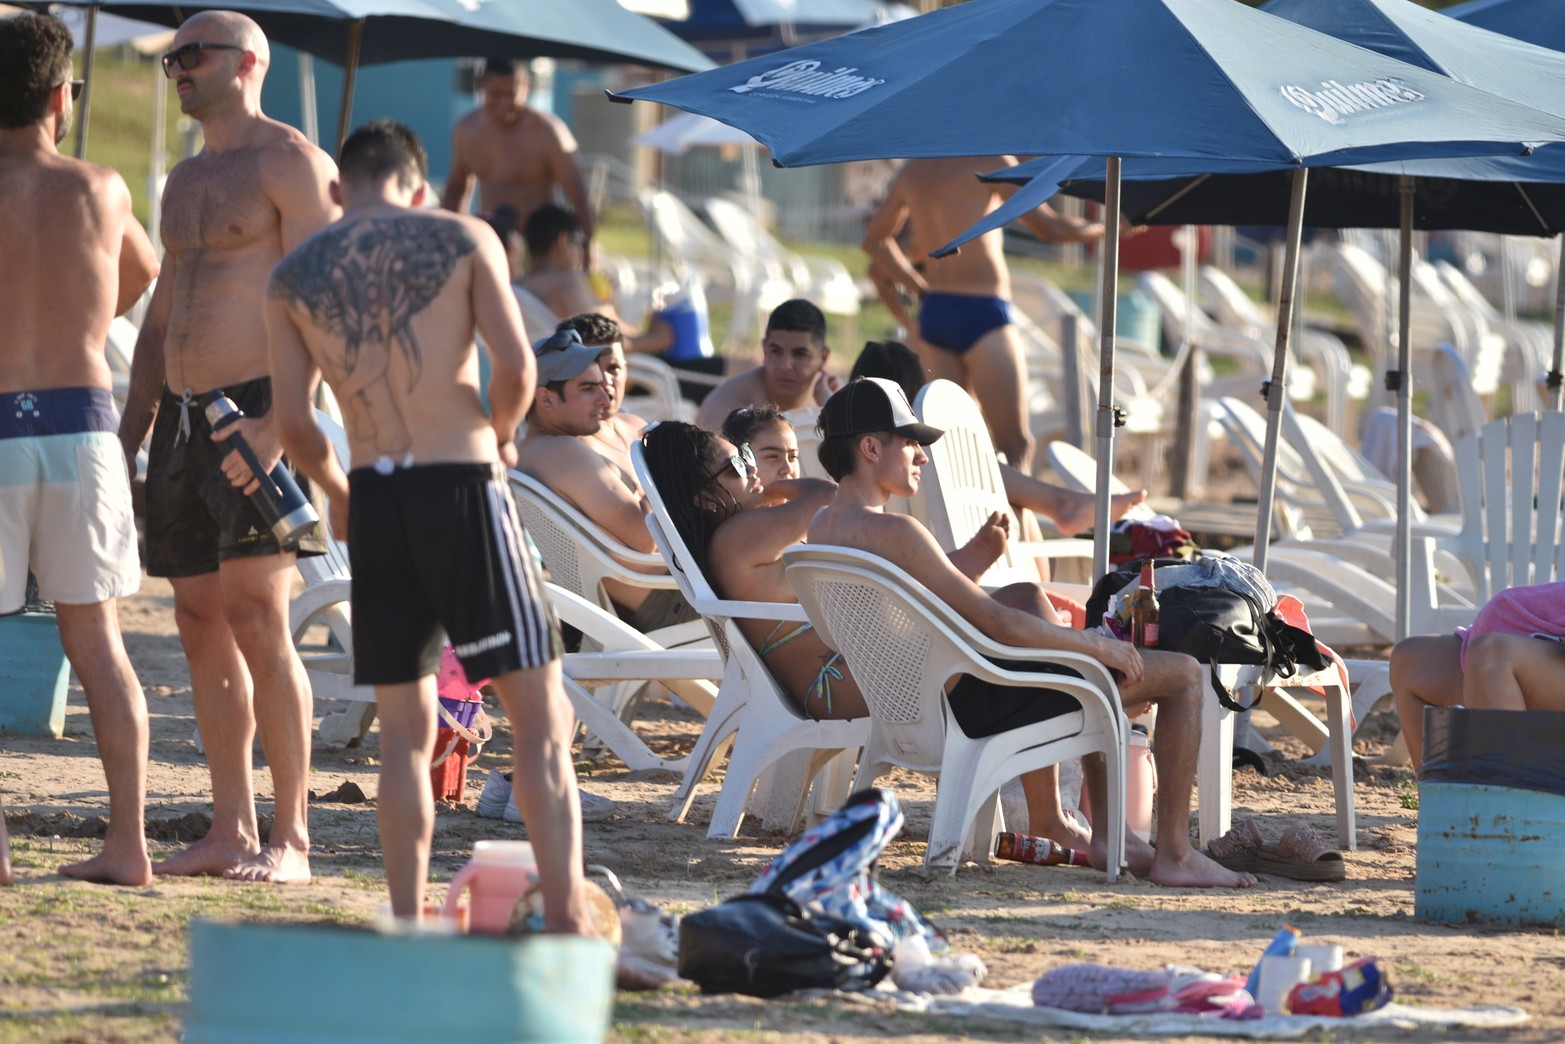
(955, 322)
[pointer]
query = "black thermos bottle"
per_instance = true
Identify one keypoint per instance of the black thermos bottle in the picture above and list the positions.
(279, 499)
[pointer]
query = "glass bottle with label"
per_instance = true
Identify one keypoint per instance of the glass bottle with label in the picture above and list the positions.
(1144, 611)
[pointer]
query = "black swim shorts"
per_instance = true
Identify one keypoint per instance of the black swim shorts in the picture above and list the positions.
(195, 516)
(984, 708)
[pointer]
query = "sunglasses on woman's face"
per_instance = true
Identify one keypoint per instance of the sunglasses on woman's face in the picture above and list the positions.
(741, 460)
(189, 56)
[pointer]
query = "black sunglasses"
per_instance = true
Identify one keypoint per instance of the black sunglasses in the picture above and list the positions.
(189, 56)
(76, 89)
(742, 461)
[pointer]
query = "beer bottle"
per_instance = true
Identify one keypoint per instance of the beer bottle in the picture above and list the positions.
(1144, 611)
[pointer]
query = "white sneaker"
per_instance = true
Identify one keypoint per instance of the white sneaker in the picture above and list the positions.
(498, 801)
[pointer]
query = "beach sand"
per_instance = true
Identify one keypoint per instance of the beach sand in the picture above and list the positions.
(74, 952)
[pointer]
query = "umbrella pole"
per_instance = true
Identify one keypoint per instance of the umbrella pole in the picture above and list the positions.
(1277, 388)
(1555, 379)
(1404, 390)
(1106, 318)
(86, 105)
(159, 148)
(350, 72)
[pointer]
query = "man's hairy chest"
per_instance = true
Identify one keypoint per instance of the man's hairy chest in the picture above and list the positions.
(218, 203)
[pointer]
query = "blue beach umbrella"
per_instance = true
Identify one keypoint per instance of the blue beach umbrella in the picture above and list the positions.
(1201, 79)
(1540, 22)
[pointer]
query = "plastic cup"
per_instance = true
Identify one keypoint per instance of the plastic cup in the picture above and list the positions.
(1324, 957)
(1280, 974)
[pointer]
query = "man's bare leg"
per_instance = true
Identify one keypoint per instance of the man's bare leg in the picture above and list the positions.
(405, 806)
(1426, 671)
(1173, 683)
(1071, 510)
(220, 684)
(5, 849)
(255, 600)
(544, 782)
(1513, 672)
(91, 637)
(939, 364)
(995, 370)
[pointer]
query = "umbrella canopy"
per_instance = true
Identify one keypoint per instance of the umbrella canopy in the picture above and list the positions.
(688, 130)
(399, 30)
(1540, 22)
(1200, 78)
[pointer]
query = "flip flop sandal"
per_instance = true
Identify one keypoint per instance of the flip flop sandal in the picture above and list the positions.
(1239, 849)
(1302, 855)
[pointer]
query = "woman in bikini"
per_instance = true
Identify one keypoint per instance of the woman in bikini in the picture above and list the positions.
(737, 528)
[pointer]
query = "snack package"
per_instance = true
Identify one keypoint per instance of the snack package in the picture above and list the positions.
(1352, 990)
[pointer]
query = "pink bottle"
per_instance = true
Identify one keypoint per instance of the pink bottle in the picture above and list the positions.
(499, 874)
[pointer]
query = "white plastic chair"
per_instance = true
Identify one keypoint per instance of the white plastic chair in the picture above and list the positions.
(538, 319)
(905, 646)
(654, 390)
(752, 711)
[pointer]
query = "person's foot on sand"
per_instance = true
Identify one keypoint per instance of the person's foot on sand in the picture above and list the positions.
(208, 857)
(1077, 513)
(104, 868)
(274, 864)
(1066, 832)
(1193, 871)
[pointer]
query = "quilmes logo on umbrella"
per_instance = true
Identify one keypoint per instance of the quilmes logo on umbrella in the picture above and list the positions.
(1335, 101)
(805, 77)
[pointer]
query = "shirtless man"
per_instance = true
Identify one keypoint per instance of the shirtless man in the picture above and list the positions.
(572, 404)
(75, 257)
(517, 154)
(873, 446)
(557, 262)
(436, 540)
(792, 373)
(230, 213)
(964, 319)
(619, 428)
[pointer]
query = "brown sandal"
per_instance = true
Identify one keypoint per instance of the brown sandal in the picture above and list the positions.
(1239, 849)
(1302, 855)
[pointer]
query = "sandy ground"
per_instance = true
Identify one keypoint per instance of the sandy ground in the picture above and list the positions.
(1020, 919)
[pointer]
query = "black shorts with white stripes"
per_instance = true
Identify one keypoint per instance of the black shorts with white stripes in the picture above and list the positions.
(438, 549)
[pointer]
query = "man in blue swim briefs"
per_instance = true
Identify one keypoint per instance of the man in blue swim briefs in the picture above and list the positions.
(964, 317)
(75, 257)
(436, 543)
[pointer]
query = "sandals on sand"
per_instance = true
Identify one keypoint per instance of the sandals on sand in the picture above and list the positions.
(1301, 854)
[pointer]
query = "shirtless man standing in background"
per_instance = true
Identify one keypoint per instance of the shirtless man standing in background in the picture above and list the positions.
(436, 542)
(75, 257)
(230, 213)
(517, 154)
(964, 316)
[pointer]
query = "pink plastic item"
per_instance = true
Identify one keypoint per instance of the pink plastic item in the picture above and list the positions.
(451, 681)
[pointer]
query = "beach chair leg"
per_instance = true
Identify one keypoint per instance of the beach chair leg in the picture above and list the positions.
(1214, 768)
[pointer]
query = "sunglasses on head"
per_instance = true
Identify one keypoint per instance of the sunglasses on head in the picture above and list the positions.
(741, 460)
(189, 56)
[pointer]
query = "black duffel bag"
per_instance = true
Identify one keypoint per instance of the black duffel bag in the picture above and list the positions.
(766, 945)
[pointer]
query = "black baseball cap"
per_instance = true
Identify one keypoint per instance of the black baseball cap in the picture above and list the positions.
(871, 404)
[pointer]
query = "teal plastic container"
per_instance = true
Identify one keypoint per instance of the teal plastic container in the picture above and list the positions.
(313, 984)
(34, 676)
(1136, 317)
(1491, 817)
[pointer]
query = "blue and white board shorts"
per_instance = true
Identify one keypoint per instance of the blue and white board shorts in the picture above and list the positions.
(65, 509)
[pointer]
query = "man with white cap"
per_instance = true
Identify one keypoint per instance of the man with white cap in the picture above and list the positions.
(872, 444)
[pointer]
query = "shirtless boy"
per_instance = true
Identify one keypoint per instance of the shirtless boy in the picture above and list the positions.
(873, 445)
(619, 428)
(230, 213)
(434, 536)
(517, 154)
(964, 319)
(75, 258)
(792, 373)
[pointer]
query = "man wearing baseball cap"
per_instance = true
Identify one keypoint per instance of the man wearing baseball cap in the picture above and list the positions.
(872, 444)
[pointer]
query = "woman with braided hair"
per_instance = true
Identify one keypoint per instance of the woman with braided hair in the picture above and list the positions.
(737, 529)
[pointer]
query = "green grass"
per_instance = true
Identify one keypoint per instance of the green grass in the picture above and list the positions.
(119, 127)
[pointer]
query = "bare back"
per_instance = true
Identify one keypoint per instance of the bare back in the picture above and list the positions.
(65, 229)
(514, 164)
(228, 218)
(944, 198)
(384, 302)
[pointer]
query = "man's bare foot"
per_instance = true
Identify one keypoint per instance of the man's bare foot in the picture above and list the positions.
(1065, 831)
(105, 869)
(1078, 512)
(1195, 870)
(274, 864)
(208, 857)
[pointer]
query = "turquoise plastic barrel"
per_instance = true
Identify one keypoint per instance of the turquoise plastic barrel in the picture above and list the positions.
(34, 676)
(313, 984)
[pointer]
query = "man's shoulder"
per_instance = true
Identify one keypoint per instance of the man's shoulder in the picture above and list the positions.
(284, 150)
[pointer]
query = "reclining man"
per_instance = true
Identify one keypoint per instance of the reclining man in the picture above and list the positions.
(872, 444)
(792, 373)
(435, 540)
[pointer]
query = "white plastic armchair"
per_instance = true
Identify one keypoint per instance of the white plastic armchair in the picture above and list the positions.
(905, 646)
(752, 712)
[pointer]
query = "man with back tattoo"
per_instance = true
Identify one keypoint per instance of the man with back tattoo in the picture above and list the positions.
(230, 213)
(75, 257)
(384, 302)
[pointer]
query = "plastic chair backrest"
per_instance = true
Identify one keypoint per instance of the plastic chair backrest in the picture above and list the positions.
(538, 318)
(1511, 474)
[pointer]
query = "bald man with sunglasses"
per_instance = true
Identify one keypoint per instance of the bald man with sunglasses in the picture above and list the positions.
(255, 191)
